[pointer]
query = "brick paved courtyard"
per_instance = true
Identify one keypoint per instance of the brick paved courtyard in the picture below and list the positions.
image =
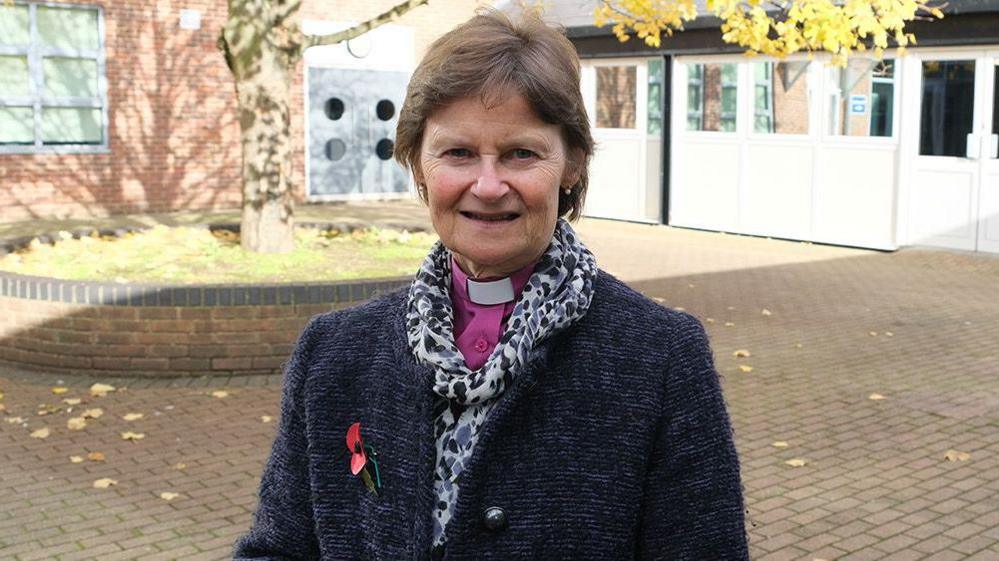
(920, 328)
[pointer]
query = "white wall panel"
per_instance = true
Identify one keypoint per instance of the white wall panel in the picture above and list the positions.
(704, 189)
(616, 177)
(988, 237)
(653, 179)
(854, 197)
(941, 209)
(777, 199)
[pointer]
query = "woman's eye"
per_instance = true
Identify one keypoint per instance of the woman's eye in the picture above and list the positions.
(522, 154)
(458, 153)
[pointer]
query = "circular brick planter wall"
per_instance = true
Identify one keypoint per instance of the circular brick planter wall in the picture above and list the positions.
(124, 329)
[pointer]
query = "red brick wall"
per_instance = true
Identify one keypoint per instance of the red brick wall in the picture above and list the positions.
(172, 131)
(174, 137)
(157, 341)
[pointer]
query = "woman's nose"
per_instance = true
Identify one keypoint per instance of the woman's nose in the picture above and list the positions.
(489, 186)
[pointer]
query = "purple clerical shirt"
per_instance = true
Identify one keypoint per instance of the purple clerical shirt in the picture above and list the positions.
(477, 327)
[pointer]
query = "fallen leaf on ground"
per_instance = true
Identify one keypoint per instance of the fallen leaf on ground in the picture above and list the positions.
(104, 483)
(779, 444)
(45, 409)
(873, 333)
(709, 320)
(129, 435)
(219, 394)
(180, 466)
(96, 456)
(76, 459)
(60, 390)
(729, 324)
(796, 462)
(876, 397)
(745, 368)
(690, 286)
(133, 416)
(167, 496)
(100, 390)
(741, 353)
(680, 309)
(797, 345)
(766, 312)
(76, 423)
(266, 418)
(92, 413)
(889, 334)
(14, 420)
(41, 433)
(955, 456)
(658, 299)
(730, 308)
(71, 401)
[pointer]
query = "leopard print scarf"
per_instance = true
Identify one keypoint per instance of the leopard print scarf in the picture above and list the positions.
(557, 294)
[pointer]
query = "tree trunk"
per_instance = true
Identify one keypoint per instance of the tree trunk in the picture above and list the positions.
(262, 43)
(268, 222)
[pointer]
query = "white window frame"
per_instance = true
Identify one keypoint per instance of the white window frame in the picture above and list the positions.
(35, 53)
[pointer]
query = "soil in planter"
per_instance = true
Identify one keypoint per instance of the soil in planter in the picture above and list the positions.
(185, 255)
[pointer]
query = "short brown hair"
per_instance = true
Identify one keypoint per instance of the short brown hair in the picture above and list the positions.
(494, 56)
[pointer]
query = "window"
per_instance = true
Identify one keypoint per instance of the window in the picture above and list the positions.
(947, 112)
(616, 97)
(763, 98)
(862, 98)
(780, 97)
(655, 126)
(51, 77)
(695, 96)
(712, 93)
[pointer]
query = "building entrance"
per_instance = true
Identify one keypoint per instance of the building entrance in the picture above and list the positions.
(953, 182)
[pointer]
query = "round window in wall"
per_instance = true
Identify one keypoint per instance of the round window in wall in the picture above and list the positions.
(385, 110)
(335, 149)
(334, 108)
(384, 149)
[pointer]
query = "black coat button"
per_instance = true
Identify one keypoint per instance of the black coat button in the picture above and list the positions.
(494, 518)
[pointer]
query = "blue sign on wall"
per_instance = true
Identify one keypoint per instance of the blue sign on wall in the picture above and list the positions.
(858, 104)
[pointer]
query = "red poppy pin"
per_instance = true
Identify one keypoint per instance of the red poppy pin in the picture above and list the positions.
(360, 456)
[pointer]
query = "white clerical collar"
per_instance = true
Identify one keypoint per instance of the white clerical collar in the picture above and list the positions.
(489, 293)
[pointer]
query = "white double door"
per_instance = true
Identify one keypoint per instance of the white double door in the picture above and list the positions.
(950, 171)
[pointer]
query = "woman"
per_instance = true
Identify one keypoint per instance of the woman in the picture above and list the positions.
(515, 402)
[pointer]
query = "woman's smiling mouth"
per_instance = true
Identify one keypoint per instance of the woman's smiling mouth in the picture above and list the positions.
(490, 217)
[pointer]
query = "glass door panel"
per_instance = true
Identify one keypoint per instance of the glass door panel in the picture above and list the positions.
(948, 107)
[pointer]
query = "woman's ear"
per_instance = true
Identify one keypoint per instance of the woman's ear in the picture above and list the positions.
(573, 168)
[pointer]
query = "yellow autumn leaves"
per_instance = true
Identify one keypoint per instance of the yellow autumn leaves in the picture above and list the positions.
(840, 27)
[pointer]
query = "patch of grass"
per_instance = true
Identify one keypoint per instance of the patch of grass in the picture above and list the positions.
(186, 255)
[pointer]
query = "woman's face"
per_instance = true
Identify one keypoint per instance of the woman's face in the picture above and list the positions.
(493, 176)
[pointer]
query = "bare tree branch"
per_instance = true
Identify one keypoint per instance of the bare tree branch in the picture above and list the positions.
(362, 28)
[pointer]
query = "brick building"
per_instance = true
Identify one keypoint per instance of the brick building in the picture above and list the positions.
(124, 106)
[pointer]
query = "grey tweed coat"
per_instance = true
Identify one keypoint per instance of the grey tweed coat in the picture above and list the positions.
(613, 444)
